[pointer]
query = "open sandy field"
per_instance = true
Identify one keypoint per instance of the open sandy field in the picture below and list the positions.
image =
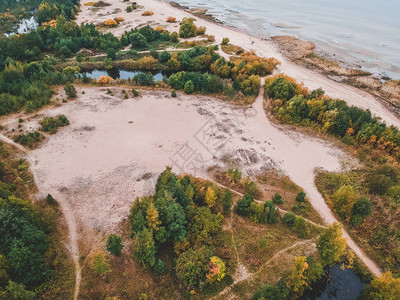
(262, 47)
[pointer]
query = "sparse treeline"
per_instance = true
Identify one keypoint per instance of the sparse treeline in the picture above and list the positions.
(294, 104)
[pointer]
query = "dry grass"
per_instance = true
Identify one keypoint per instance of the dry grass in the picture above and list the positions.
(90, 3)
(232, 49)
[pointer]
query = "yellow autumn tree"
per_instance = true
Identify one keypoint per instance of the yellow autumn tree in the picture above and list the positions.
(152, 217)
(343, 200)
(105, 80)
(297, 279)
(385, 287)
(211, 197)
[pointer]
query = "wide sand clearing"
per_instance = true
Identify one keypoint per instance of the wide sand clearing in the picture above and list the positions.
(115, 148)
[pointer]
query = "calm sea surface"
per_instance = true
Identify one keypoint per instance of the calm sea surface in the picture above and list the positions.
(359, 32)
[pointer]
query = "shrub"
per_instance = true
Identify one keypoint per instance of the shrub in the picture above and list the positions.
(111, 23)
(300, 227)
(187, 28)
(105, 80)
(100, 265)
(225, 41)
(144, 78)
(301, 197)
(174, 37)
(216, 269)
(114, 244)
(277, 199)
(171, 20)
(147, 13)
(50, 124)
(201, 30)
(135, 93)
(361, 209)
(164, 57)
(160, 268)
(251, 188)
(129, 9)
(173, 94)
(70, 91)
(227, 200)
(189, 87)
(289, 218)
(119, 19)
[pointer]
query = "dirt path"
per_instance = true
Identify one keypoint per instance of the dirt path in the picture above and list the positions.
(318, 201)
(260, 201)
(274, 257)
(11, 142)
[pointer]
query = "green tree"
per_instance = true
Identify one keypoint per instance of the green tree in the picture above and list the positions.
(268, 292)
(16, 291)
(144, 247)
(114, 244)
(189, 87)
(289, 219)
(272, 215)
(331, 244)
(111, 53)
(301, 197)
(192, 266)
(360, 210)
(138, 40)
(70, 90)
(187, 28)
(227, 200)
(281, 88)
(164, 57)
(243, 205)
(277, 199)
(100, 265)
(300, 227)
(160, 268)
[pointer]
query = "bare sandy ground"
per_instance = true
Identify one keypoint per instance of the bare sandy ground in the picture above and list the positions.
(265, 48)
(115, 148)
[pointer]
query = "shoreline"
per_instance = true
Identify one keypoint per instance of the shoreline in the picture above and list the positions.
(308, 56)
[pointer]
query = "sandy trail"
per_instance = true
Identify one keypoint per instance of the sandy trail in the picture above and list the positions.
(262, 47)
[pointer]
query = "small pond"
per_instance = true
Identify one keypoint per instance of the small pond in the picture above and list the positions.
(124, 74)
(341, 284)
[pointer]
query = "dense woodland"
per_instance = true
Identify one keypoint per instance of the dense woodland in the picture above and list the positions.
(33, 260)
